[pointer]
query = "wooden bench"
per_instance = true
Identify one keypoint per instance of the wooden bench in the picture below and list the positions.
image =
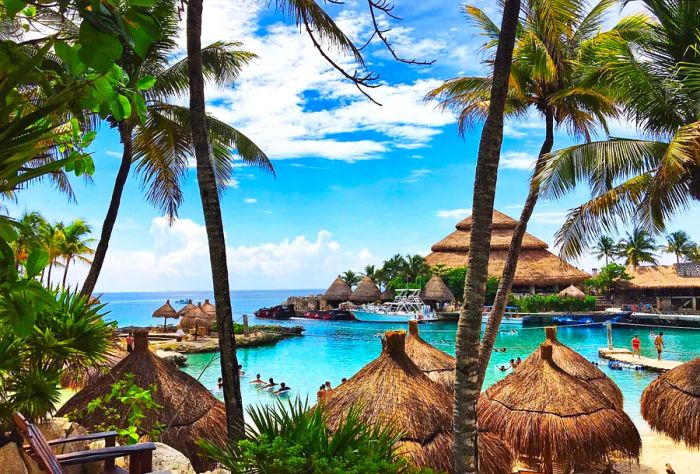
(140, 455)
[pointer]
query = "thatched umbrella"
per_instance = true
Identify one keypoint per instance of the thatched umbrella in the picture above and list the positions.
(77, 378)
(188, 410)
(671, 403)
(166, 312)
(547, 414)
(185, 309)
(572, 292)
(210, 309)
(392, 391)
(436, 290)
(338, 291)
(437, 365)
(577, 366)
(388, 295)
(196, 318)
(366, 292)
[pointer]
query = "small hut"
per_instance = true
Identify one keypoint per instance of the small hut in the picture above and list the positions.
(366, 292)
(76, 378)
(435, 291)
(338, 292)
(549, 415)
(671, 403)
(572, 292)
(437, 365)
(195, 319)
(388, 294)
(210, 309)
(392, 391)
(166, 312)
(185, 309)
(188, 410)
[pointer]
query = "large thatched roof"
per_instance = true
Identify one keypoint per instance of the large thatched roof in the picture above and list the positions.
(210, 309)
(165, 311)
(536, 265)
(185, 309)
(436, 290)
(572, 292)
(366, 292)
(196, 317)
(437, 365)
(338, 291)
(392, 391)
(548, 414)
(658, 277)
(188, 409)
(671, 403)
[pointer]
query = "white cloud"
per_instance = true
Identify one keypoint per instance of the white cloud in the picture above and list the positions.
(549, 217)
(518, 160)
(233, 183)
(250, 200)
(416, 175)
(113, 154)
(453, 213)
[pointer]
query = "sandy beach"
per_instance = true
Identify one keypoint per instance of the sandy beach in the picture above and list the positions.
(657, 451)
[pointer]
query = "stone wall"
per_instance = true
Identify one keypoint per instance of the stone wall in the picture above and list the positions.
(307, 303)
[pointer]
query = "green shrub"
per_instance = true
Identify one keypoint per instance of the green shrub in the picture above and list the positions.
(545, 303)
(608, 277)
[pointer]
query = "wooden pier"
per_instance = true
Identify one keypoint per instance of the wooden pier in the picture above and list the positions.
(647, 363)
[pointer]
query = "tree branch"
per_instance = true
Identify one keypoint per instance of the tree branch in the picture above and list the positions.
(386, 8)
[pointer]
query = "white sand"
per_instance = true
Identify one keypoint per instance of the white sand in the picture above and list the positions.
(657, 451)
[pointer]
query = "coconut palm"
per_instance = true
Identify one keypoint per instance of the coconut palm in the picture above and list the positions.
(160, 145)
(351, 278)
(393, 267)
(548, 77)
(647, 180)
(75, 245)
(693, 254)
(605, 248)
(371, 272)
(679, 244)
(415, 267)
(637, 247)
(51, 237)
(28, 235)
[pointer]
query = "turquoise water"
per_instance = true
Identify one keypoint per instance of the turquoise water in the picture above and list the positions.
(333, 350)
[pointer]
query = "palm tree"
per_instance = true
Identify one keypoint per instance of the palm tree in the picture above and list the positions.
(28, 235)
(552, 42)
(161, 144)
(469, 325)
(679, 244)
(393, 267)
(646, 181)
(693, 254)
(52, 237)
(605, 248)
(75, 245)
(371, 272)
(351, 278)
(637, 247)
(415, 267)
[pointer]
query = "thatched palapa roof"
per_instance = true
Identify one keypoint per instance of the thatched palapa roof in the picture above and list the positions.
(366, 292)
(338, 291)
(658, 277)
(392, 391)
(671, 403)
(572, 292)
(536, 265)
(185, 309)
(437, 365)
(209, 308)
(196, 318)
(165, 311)
(188, 409)
(436, 290)
(548, 414)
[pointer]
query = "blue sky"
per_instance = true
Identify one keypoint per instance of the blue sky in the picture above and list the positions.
(356, 183)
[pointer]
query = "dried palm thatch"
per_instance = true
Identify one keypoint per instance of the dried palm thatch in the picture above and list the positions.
(166, 312)
(185, 309)
(188, 409)
(671, 403)
(210, 309)
(392, 391)
(572, 292)
(388, 295)
(436, 290)
(437, 365)
(77, 378)
(338, 291)
(658, 277)
(548, 414)
(196, 318)
(500, 221)
(366, 292)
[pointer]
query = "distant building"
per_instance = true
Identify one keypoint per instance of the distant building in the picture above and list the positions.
(538, 271)
(674, 286)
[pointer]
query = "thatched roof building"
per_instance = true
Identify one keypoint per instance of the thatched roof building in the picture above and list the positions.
(437, 365)
(671, 403)
(436, 291)
(547, 414)
(393, 391)
(338, 291)
(185, 309)
(166, 312)
(188, 409)
(366, 292)
(572, 292)
(537, 267)
(209, 308)
(196, 318)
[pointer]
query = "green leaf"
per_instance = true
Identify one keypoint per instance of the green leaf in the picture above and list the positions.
(146, 82)
(7, 232)
(143, 3)
(70, 57)
(116, 110)
(101, 50)
(36, 261)
(89, 165)
(13, 7)
(125, 105)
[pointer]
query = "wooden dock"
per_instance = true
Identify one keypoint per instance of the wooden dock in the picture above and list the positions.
(647, 363)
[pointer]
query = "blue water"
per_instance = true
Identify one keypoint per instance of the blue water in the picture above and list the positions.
(333, 350)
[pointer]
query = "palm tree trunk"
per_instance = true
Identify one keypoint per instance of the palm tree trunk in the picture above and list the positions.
(469, 325)
(65, 273)
(125, 132)
(214, 225)
(48, 275)
(511, 264)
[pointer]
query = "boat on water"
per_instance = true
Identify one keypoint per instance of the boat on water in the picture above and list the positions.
(328, 315)
(407, 306)
(665, 319)
(280, 312)
(511, 316)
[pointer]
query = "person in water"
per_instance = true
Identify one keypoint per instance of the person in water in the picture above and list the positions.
(130, 342)
(328, 385)
(240, 370)
(502, 368)
(518, 361)
(499, 349)
(636, 346)
(258, 380)
(343, 380)
(220, 383)
(659, 344)
(283, 389)
(321, 393)
(512, 364)
(269, 385)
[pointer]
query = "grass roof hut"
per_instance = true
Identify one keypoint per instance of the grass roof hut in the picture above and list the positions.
(671, 403)
(196, 318)
(185, 309)
(77, 378)
(572, 292)
(549, 415)
(210, 309)
(437, 365)
(392, 391)
(188, 409)
(338, 292)
(388, 295)
(436, 291)
(366, 292)
(166, 312)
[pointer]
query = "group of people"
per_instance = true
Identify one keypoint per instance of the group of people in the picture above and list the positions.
(326, 389)
(514, 363)
(659, 344)
(271, 386)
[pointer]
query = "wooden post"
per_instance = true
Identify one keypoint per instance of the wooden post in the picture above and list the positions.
(695, 303)
(246, 330)
(610, 342)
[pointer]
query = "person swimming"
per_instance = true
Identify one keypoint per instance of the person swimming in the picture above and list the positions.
(282, 390)
(269, 385)
(240, 370)
(499, 349)
(518, 361)
(258, 380)
(512, 364)
(220, 383)
(343, 380)
(502, 368)
(321, 393)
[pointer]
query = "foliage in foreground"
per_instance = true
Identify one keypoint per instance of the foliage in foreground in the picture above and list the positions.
(290, 438)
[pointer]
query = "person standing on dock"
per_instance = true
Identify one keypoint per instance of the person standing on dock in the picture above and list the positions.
(636, 346)
(659, 343)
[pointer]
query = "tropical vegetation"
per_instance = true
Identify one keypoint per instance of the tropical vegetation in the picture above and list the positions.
(607, 278)
(542, 303)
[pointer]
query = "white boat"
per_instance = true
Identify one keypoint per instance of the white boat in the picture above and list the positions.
(407, 306)
(510, 317)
